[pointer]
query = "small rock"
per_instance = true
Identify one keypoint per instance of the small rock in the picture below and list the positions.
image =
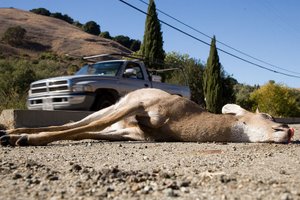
(89, 144)
(226, 179)
(184, 189)
(147, 189)
(52, 177)
(135, 188)
(269, 154)
(110, 189)
(76, 167)
(173, 185)
(185, 183)
(164, 175)
(286, 196)
(170, 193)
(145, 158)
(282, 171)
(17, 176)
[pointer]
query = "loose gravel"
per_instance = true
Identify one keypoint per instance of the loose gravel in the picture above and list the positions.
(141, 170)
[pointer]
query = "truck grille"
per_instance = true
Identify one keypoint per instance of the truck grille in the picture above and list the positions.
(49, 86)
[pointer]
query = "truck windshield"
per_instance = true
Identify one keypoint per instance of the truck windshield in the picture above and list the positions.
(102, 69)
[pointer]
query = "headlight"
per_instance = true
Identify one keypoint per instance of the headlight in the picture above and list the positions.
(82, 88)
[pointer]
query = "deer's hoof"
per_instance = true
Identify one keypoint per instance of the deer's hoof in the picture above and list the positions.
(2, 133)
(4, 140)
(22, 141)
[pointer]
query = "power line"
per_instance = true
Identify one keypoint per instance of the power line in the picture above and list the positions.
(206, 43)
(228, 46)
(281, 17)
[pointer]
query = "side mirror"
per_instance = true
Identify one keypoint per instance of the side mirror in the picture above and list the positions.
(129, 72)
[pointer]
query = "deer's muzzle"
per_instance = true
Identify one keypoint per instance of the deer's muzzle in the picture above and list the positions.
(291, 133)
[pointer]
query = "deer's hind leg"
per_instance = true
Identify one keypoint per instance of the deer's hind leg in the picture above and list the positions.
(88, 119)
(126, 129)
(44, 138)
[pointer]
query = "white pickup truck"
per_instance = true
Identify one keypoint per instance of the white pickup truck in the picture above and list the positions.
(96, 86)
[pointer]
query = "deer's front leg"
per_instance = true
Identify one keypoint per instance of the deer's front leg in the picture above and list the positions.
(88, 119)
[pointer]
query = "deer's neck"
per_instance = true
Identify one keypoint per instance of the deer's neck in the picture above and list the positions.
(208, 127)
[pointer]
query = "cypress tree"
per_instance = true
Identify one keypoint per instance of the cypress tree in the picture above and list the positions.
(152, 47)
(212, 80)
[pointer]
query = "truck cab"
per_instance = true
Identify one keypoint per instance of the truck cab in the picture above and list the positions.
(95, 86)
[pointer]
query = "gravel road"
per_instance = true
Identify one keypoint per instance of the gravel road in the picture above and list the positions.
(135, 170)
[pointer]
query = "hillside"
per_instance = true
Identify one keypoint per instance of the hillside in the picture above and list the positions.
(51, 34)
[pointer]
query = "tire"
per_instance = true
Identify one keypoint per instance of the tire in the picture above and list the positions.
(103, 101)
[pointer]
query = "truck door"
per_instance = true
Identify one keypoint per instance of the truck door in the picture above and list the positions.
(133, 78)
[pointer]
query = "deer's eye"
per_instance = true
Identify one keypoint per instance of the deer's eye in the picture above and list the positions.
(267, 116)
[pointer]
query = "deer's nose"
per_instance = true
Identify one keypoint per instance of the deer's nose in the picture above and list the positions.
(291, 133)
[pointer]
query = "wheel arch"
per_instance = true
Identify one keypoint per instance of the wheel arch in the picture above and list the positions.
(111, 93)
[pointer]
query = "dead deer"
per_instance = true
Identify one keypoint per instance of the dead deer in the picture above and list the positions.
(155, 115)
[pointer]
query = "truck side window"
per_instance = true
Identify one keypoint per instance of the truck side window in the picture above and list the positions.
(133, 70)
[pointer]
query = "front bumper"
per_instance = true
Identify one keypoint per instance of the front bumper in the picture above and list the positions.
(61, 102)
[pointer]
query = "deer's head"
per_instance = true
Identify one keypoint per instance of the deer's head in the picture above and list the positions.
(257, 127)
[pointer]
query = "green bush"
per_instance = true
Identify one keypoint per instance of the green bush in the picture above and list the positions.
(193, 71)
(64, 17)
(277, 100)
(92, 28)
(17, 74)
(105, 34)
(14, 35)
(41, 11)
(15, 78)
(131, 44)
(48, 56)
(242, 95)
(12, 100)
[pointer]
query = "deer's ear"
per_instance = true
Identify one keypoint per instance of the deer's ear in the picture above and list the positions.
(257, 110)
(233, 109)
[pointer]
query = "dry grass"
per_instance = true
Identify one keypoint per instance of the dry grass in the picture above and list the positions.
(54, 35)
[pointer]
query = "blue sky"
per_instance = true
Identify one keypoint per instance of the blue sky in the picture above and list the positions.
(268, 30)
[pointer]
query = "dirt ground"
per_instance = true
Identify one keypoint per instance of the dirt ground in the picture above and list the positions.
(134, 170)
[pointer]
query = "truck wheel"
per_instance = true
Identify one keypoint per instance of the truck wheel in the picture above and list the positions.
(103, 101)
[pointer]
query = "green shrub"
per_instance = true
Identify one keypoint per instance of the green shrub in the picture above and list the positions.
(15, 78)
(17, 74)
(12, 100)
(193, 70)
(41, 11)
(64, 17)
(14, 35)
(105, 34)
(277, 100)
(48, 56)
(92, 28)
